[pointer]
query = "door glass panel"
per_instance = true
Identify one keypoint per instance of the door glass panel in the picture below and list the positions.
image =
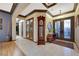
(22, 29)
(27, 29)
(57, 29)
(67, 29)
(31, 29)
(17, 28)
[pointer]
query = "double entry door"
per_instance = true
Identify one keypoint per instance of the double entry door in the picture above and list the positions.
(64, 29)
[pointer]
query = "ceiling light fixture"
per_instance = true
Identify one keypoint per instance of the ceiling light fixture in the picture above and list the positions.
(60, 11)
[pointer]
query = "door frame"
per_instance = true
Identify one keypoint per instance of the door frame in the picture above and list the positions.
(29, 28)
(72, 27)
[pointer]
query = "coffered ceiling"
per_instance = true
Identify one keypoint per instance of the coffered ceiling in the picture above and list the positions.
(53, 8)
(48, 5)
(61, 8)
(32, 7)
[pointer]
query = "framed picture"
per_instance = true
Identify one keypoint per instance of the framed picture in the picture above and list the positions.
(0, 27)
(49, 26)
(0, 20)
(0, 23)
(78, 20)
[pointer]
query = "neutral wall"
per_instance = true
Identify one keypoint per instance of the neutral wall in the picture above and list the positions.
(20, 24)
(48, 19)
(77, 27)
(64, 16)
(5, 33)
(24, 28)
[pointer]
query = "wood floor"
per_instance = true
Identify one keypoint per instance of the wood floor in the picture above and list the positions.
(10, 49)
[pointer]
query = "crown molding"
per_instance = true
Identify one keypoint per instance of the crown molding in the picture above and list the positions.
(12, 9)
(53, 4)
(33, 12)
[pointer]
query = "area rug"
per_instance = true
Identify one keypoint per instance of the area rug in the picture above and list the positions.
(65, 44)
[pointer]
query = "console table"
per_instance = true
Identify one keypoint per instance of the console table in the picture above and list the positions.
(51, 37)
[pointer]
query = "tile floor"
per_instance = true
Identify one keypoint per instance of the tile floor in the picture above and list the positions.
(49, 49)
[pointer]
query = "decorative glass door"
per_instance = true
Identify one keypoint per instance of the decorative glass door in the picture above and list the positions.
(17, 28)
(31, 29)
(27, 29)
(67, 29)
(22, 29)
(64, 29)
(57, 29)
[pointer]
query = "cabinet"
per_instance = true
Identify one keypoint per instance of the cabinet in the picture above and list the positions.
(51, 37)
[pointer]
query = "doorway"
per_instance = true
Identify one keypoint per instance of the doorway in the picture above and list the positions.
(30, 29)
(64, 28)
(17, 26)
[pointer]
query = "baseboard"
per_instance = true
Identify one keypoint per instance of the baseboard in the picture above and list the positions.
(77, 45)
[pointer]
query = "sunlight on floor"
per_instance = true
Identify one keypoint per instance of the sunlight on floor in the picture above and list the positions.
(49, 49)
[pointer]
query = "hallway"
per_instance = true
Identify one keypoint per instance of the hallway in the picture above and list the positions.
(36, 24)
(49, 49)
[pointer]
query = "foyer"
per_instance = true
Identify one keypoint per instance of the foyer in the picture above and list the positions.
(40, 29)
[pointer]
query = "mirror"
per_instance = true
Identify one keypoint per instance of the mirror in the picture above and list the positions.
(49, 26)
